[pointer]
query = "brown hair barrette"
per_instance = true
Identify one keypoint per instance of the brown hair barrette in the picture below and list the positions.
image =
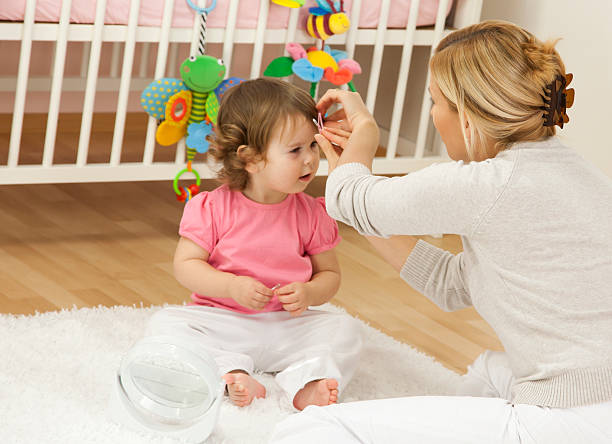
(557, 99)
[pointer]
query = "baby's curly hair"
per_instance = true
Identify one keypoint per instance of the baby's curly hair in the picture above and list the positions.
(249, 115)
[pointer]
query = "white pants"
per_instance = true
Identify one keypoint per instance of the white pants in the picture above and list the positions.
(315, 345)
(479, 414)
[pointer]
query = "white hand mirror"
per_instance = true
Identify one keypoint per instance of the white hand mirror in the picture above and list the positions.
(170, 386)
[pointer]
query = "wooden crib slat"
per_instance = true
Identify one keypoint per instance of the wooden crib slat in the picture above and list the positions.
(259, 38)
(144, 59)
(228, 42)
(179, 158)
(426, 105)
(126, 75)
(172, 66)
(195, 31)
(160, 69)
(22, 84)
(351, 35)
(56, 84)
(90, 89)
(400, 92)
(85, 57)
(377, 55)
(115, 55)
(291, 28)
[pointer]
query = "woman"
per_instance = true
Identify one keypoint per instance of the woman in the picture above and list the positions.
(536, 224)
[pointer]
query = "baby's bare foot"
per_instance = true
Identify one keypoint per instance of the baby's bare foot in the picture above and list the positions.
(320, 392)
(242, 388)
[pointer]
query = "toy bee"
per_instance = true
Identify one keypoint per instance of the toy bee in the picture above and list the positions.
(328, 19)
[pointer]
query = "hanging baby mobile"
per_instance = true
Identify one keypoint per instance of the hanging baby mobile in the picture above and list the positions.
(187, 107)
(315, 64)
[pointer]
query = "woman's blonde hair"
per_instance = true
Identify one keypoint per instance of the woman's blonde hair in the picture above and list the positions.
(494, 75)
(250, 114)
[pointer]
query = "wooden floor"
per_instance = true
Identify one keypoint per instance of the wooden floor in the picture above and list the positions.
(83, 245)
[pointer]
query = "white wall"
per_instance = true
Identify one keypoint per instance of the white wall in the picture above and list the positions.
(586, 49)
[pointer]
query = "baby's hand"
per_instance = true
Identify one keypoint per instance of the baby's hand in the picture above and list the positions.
(249, 292)
(294, 297)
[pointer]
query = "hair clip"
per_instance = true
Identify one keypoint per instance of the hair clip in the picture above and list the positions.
(557, 99)
(319, 122)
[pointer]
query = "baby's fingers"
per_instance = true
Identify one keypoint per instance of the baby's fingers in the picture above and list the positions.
(263, 290)
(287, 298)
(294, 309)
(261, 298)
(258, 301)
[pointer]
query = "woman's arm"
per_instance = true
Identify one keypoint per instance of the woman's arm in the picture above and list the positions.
(438, 200)
(432, 271)
(395, 250)
(436, 273)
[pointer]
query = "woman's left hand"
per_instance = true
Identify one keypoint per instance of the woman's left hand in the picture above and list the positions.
(332, 141)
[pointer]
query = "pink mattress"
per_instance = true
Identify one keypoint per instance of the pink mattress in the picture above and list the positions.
(83, 11)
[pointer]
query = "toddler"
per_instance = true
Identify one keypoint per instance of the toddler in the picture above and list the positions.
(257, 252)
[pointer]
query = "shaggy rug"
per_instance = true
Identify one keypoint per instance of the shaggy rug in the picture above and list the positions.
(57, 371)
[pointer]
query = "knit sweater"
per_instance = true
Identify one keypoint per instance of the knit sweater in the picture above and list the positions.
(536, 226)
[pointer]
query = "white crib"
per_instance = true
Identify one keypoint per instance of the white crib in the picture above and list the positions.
(404, 150)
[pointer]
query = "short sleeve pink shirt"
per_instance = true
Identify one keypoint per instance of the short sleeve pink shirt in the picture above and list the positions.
(271, 243)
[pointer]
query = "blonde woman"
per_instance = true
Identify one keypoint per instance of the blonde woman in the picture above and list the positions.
(536, 224)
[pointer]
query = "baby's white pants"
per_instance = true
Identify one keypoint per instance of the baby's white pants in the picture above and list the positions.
(314, 345)
(480, 413)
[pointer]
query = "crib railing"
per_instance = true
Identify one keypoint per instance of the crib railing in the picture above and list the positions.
(167, 39)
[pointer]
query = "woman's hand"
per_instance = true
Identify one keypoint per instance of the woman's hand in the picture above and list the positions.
(357, 132)
(249, 292)
(338, 138)
(353, 111)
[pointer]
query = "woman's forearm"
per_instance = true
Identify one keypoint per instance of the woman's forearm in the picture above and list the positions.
(395, 250)
(362, 145)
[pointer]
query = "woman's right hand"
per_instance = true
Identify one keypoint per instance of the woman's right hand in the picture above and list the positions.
(353, 111)
(332, 141)
(249, 292)
(359, 129)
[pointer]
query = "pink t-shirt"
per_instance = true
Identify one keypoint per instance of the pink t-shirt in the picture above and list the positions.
(271, 243)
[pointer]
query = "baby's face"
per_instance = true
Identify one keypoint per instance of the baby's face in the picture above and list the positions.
(292, 157)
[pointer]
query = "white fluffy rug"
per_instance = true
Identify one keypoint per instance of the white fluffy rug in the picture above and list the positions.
(57, 370)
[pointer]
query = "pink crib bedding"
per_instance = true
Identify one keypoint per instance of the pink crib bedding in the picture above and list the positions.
(83, 11)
